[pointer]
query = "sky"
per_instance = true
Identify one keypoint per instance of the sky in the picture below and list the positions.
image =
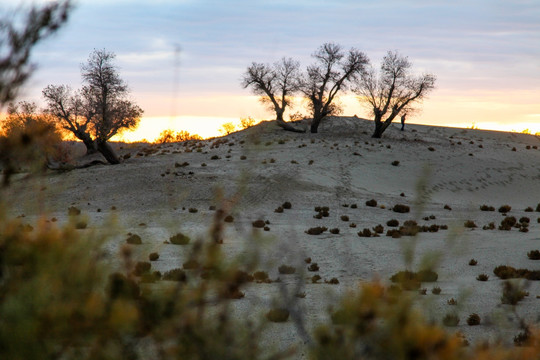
(183, 59)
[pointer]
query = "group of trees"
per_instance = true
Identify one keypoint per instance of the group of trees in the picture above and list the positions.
(392, 91)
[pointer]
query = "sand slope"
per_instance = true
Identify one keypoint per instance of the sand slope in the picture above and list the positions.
(339, 166)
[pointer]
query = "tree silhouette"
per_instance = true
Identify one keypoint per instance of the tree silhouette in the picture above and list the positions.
(393, 91)
(100, 110)
(275, 84)
(331, 73)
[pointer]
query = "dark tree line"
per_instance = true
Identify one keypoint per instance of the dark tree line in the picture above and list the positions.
(392, 91)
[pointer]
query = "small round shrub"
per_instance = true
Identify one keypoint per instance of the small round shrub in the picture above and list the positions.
(469, 224)
(134, 239)
(451, 301)
(313, 267)
(395, 163)
(260, 275)
(505, 208)
(487, 208)
(315, 278)
(286, 205)
(228, 219)
(473, 262)
(344, 218)
(259, 224)
(473, 319)
(436, 290)
(175, 275)
(371, 203)
(278, 210)
(482, 277)
(524, 220)
(193, 210)
(529, 209)
(392, 223)
(334, 231)
(153, 256)
(286, 269)
(379, 229)
(179, 239)
(534, 254)
(277, 315)
(400, 208)
(365, 233)
(333, 281)
(451, 320)
(316, 230)
(141, 267)
(191, 264)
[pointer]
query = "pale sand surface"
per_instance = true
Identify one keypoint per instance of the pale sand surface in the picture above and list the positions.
(151, 190)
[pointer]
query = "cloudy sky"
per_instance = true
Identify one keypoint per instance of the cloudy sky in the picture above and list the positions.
(186, 57)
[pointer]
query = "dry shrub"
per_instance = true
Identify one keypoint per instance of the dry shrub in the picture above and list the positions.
(469, 224)
(316, 230)
(134, 239)
(278, 315)
(392, 223)
(505, 208)
(228, 219)
(451, 320)
(436, 290)
(313, 267)
(482, 277)
(487, 208)
(175, 275)
(512, 293)
(447, 207)
(334, 231)
(141, 267)
(344, 218)
(473, 319)
(534, 254)
(365, 233)
(473, 262)
(332, 281)
(259, 224)
(153, 256)
(286, 205)
(400, 208)
(371, 203)
(379, 229)
(179, 239)
(286, 269)
(507, 223)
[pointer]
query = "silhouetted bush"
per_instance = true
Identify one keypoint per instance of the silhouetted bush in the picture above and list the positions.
(316, 230)
(473, 319)
(534, 254)
(400, 208)
(392, 223)
(371, 203)
(505, 208)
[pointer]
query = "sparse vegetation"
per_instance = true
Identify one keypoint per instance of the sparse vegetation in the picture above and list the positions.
(400, 208)
(179, 239)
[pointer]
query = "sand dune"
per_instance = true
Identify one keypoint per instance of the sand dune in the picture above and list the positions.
(340, 166)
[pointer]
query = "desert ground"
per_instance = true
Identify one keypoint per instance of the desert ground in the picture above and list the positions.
(444, 175)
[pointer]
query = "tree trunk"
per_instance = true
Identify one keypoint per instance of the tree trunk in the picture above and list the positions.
(380, 126)
(315, 123)
(90, 144)
(108, 153)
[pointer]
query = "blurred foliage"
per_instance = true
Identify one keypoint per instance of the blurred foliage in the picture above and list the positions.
(168, 136)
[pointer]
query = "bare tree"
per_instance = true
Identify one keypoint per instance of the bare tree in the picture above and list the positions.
(19, 33)
(395, 90)
(72, 112)
(106, 95)
(332, 72)
(275, 84)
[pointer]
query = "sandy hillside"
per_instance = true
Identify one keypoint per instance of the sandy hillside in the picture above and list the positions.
(261, 168)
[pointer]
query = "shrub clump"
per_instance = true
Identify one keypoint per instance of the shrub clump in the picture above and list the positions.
(286, 205)
(365, 233)
(259, 224)
(316, 230)
(482, 277)
(436, 290)
(371, 203)
(473, 262)
(344, 218)
(451, 320)
(473, 319)
(400, 208)
(134, 239)
(277, 315)
(153, 256)
(313, 267)
(469, 224)
(505, 208)
(334, 231)
(175, 275)
(286, 269)
(534, 254)
(507, 223)
(487, 208)
(392, 223)
(179, 239)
